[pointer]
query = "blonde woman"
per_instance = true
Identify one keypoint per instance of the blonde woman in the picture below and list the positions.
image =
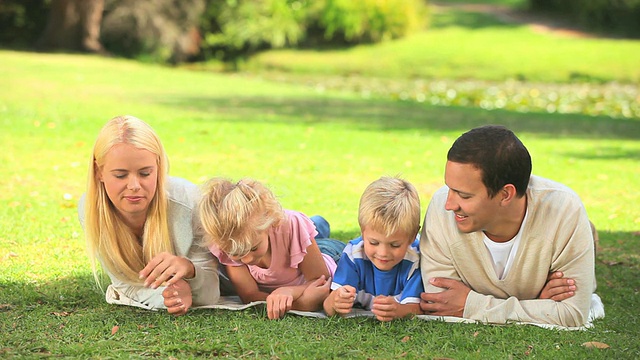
(140, 224)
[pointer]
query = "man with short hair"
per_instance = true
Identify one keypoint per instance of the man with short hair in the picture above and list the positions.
(499, 245)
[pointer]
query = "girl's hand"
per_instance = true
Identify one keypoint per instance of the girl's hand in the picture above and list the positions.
(317, 290)
(166, 269)
(178, 298)
(279, 302)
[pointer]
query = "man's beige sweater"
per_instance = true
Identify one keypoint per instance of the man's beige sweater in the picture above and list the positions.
(556, 237)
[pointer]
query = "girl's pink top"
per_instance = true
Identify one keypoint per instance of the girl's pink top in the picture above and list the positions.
(289, 243)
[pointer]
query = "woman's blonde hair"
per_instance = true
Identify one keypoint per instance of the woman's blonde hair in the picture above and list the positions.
(109, 239)
(232, 214)
(389, 205)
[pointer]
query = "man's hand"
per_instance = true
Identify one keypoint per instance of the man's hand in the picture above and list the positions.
(449, 302)
(166, 269)
(558, 288)
(178, 298)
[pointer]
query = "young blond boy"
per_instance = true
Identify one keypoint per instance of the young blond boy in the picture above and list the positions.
(380, 270)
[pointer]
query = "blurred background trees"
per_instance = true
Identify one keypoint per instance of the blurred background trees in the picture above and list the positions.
(176, 31)
(73, 25)
(159, 30)
(619, 17)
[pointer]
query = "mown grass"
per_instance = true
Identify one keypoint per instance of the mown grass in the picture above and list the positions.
(318, 147)
(318, 151)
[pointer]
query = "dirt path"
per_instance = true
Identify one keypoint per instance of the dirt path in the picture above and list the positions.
(539, 23)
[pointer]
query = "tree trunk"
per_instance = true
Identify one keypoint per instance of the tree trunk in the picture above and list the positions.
(73, 25)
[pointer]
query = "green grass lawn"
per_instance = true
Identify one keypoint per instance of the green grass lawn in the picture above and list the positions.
(317, 148)
(318, 151)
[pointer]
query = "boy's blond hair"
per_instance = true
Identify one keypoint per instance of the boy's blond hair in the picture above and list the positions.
(389, 205)
(232, 214)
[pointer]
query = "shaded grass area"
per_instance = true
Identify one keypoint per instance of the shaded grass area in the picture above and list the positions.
(383, 115)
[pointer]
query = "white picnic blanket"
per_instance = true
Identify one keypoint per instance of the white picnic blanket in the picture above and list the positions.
(234, 303)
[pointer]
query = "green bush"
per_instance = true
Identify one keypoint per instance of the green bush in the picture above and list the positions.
(234, 29)
(620, 17)
(372, 20)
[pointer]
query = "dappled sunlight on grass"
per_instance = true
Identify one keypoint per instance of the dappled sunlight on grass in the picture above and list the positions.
(615, 100)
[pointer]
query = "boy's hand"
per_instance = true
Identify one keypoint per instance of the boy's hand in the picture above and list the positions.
(385, 308)
(344, 299)
(279, 302)
(558, 288)
(178, 298)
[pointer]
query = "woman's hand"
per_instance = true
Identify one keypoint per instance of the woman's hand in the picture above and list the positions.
(178, 298)
(166, 269)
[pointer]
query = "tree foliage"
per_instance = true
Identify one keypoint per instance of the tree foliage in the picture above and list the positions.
(22, 21)
(236, 28)
(615, 16)
(371, 20)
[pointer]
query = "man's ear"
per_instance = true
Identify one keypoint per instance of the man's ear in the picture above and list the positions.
(507, 194)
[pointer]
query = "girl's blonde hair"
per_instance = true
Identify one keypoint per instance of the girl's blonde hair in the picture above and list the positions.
(388, 205)
(232, 214)
(108, 238)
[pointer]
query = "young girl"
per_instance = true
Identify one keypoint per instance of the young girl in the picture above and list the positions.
(270, 253)
(140, 223)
